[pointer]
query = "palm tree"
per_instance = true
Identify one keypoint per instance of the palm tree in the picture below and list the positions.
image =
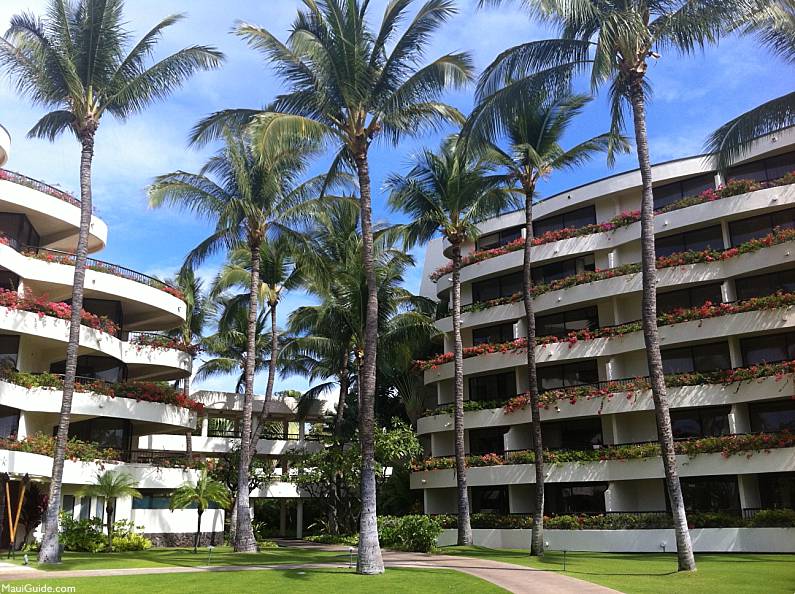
(612, 41)
(448, 193)
(111, 485)
(352, 85)
(202, 494)
(251, 196)
(533, 133)
(773, 24)
(77, 63)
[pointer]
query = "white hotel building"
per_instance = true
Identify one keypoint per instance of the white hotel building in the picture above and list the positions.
(738, 484)
(39, 228)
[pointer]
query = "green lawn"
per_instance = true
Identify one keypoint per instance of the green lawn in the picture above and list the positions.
(656, 572)
(186, 558)
(409, 581)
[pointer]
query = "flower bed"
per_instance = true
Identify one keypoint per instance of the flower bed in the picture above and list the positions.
(777, 237)
(678, 316)
(161, 341)
(43, 307)
(159, 392)
(42, 444)
(734, 187)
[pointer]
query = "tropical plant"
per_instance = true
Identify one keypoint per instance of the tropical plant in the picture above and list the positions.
(448, 193)
(612, 42)
(111, 485)
(352, 85)
(77, 62)
(772, 23)
(250, 196)
(205, 492)
(533, 133)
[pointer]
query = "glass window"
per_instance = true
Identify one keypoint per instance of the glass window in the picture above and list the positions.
(574, 498)
(85, 508)
(765, 284)
(107, 432)
(777, 490)
(9, 348)
(768, 169)
(563, 269)
(106, 369)
(552, 377)
(759, 226)
(106, 308)
(490, 500)
(561, 324)
(696, 240)
(9, 422)
(700, 422)
(574, 219)
(8, 280)
(701, 358)
(768, 349)
(498, 386)
(492, 334)
(68, 505)
(487, 441)
(498, 238)
(154, 499)
(686, 298)
(670, 193)
(495, 288)
(711, 493)
(779, 165)
(772, 416)
(577, 434)
(18, 229)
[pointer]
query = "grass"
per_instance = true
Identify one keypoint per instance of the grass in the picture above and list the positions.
(186, 558)
(408, 581)
(651, 573)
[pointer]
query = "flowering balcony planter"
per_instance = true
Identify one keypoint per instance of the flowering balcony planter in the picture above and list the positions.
(43, 307)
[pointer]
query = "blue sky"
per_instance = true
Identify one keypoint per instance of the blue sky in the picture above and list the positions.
(692, 96)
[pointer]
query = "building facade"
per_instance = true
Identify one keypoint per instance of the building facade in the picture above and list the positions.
(727, 330)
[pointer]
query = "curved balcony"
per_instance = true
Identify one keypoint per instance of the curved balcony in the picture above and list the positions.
(730, 208)
(744, 323)
(48, 332)
(267, 446)
(149, 303)
(54, 213)
(5, 145)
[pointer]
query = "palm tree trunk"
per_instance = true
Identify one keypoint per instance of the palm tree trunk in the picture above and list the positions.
(369, 558)
(464, 525)
(651, 337)
(344, 377)
(233, 521)
(244, 535)
(263, 416)
(49, 552)
(198, 531)
(537, 538)
(109, 511)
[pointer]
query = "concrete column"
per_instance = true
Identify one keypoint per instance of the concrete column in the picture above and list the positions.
(612, 258)
(728, 291)
(299, 519)
(749, 491)
(520, 328)
(718, 179)
(22, 427)
(735, 352)
(283, 518)
(205, 424)
(448, 342)
(739, 419)
(727, 241)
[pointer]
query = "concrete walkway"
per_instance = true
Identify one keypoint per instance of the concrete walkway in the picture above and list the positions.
(513, 578)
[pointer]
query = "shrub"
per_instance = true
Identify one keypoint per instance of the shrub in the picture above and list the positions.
(774, 518)
(125, 537)
(82, 535)
(562, 523)
(343, 539)
(266, 544)
(417, 533)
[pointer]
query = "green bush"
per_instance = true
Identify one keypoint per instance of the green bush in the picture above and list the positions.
(344, 539)
(266, 544)
(562, 523)
(82, 535)
(774, 518)
(417, 533)
(125, 538)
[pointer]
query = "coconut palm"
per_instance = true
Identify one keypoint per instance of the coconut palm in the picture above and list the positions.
(612, 42)
(448, 193)
(533, 134)
(352, 85)
(77, 62)
(773, 24)
(205, 492)
(250, 197)
(111, 485)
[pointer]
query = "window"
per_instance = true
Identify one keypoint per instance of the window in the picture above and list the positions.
(693, 186)
(572, 498)
(487, 441)
(696, 240)
(552, 377)
(710, 493)
(493, 334)
(9, 422)
(759, 226)
(777, 490)
(106, 369)
(578, 434)
(562, 269)
(17, 228)
(154, 499)
(85, 508)
(9, 347)
(492, 387)
(490, 500)
(498, 238)
(686, 298)
(107, 432)
(765, 284)
(494, 288)
(768, 169)
(701, 358)
(700, 422)
(568, 220)
(772, 416)
(104, 307)
(560, 324)
(768, 349)
(8, 280)
(68, 505)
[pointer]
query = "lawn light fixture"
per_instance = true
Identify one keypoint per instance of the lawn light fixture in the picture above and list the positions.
(209, 553)
(663, 544)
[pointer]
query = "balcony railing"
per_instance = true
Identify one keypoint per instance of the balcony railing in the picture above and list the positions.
(235, 434)
(39, 186)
